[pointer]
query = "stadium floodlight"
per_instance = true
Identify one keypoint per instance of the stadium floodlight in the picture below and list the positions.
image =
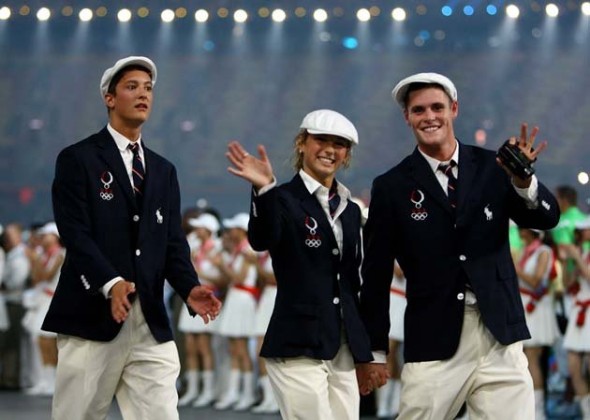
(583, 178)
(586, 8)
(201, 15)
(124, 15)
(320, 15)
(43, 14)
(167, 15)
(85, 14)
(5, 13)
(240, 16)
(363, 15)
(512, 11)
(552, 10)
(398, 14)
(278, 15)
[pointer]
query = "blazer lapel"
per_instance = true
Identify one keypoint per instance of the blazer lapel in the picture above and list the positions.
(422, 173)
(467, 170)
(350, 227)
(312, 207)
(111, 155)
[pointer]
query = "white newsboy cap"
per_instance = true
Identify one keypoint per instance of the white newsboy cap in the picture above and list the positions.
(326, 121)
(240, 221)
(401, 89)
(109, 73)
(206, 221)
(583, 224)
(49, 228)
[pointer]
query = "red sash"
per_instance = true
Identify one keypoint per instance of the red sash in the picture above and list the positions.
(535, 298)
(397, 291)
(254, 291)
(583, 304)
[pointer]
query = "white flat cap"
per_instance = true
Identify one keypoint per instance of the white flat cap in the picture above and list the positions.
(49, 229)
(240, 221)
(326, 121)
(401, 89)
(205, 221)
(583, 224)
(109, 73)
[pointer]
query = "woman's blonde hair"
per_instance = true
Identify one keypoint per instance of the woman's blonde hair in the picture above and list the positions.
(297, 157)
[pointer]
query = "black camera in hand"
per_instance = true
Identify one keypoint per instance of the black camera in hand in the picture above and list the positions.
(514, 159)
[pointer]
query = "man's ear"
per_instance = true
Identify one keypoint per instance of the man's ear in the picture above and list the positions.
(109, 100)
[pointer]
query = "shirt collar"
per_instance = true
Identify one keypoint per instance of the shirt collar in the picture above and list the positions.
(121, 141)
(313, 185)
(434, 163)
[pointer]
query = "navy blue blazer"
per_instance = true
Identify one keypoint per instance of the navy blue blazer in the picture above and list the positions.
(106, 235)
(317, 288)
(410, 219)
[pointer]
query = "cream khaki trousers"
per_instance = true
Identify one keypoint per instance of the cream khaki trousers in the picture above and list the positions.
(134, 367)
(492, 378)
(311, 389)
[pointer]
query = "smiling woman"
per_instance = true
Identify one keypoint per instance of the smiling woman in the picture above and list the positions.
(311, 228)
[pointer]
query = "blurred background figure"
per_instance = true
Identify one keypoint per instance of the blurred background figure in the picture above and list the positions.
(577, 336)
(388, 396)
(268, 282)
(199, 355)
(533, 270)
(12, 284)
(236, 321)
(45, 270)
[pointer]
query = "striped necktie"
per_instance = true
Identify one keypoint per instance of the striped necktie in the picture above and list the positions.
(333, 198)
(137, 172)
(447, 169)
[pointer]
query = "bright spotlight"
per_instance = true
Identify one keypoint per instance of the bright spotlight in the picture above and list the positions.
(124, 15)
(512, 11)
(167, 15)
(446, 11)
(320, 15)
(240, 16)
(85, 15)
(398, 14)
(363, 15)
(586, 8)
(4, 13)
(43, 14)
(278, 15)
(468, 10)
(583, 178)
(201, 15)
(552, 10)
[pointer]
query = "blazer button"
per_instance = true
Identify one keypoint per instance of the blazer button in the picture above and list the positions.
(462, 258)
(135, 218)
(335, 251)
(460, 296)
(336, 301)
(137, 252)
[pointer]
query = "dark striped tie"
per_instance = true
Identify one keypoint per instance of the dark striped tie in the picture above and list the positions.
(137, 172)
(333, 198)
(447, 169)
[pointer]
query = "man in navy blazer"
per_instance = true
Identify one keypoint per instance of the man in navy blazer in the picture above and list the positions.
(448, 228)
(118, 213)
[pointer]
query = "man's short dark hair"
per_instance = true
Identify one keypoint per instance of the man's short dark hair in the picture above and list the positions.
(119, 75)
(567, 193)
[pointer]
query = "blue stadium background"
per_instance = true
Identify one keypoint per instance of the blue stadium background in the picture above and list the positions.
(253, 82)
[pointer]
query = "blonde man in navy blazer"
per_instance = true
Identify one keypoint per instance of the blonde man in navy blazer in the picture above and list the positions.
(312, 230)
(118, 213)
(464, 321)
